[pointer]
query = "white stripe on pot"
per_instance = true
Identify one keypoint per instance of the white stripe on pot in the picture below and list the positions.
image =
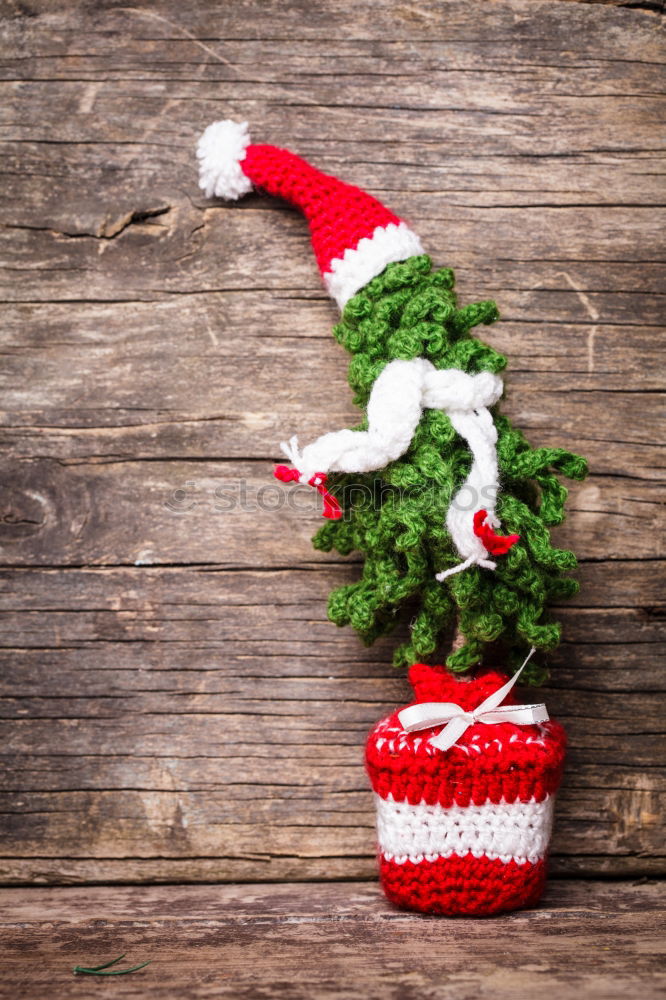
(518, 831)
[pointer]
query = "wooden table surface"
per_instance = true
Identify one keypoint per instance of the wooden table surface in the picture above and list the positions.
(176, 707)
(601, 941)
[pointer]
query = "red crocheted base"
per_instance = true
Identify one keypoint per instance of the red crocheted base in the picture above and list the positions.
(465, 886)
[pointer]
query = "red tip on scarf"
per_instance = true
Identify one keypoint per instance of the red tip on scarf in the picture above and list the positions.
(286, 475)
(497, 545)
(332, 509)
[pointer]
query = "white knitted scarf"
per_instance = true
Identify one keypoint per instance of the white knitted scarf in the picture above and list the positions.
(400, 394)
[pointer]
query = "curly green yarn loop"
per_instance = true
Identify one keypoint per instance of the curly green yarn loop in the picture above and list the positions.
(396, 517)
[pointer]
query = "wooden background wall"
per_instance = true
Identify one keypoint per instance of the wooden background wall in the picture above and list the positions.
(176, 706)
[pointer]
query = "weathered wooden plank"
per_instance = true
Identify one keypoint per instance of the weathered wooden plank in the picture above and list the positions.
(441, 169)
(92, 651)
(64, 366)
(166, 254)
(272, 822)
(160, 604)
(452, 44)
(65, 362)
(250, 902)
(594, 940)
(234, 513)
(289, 868)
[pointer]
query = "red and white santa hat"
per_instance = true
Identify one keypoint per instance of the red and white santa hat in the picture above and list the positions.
(354, 236)
(464, 830)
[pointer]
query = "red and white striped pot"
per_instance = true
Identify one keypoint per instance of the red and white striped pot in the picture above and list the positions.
(466, 830)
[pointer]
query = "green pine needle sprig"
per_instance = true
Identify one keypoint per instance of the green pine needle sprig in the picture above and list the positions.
(106, 970)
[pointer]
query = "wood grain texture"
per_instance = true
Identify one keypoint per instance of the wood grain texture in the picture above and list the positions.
(592, 940)
(175, 706)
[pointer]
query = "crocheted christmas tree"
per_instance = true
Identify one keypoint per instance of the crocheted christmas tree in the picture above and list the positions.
(421, 487)
(451, 509)
(397, 517)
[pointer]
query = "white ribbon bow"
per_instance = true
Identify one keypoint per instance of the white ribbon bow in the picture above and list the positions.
(456, 720)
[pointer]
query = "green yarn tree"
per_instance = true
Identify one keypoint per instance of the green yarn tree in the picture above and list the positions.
(396, 517)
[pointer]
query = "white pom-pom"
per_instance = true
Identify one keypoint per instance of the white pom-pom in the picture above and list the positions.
(220, 150)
